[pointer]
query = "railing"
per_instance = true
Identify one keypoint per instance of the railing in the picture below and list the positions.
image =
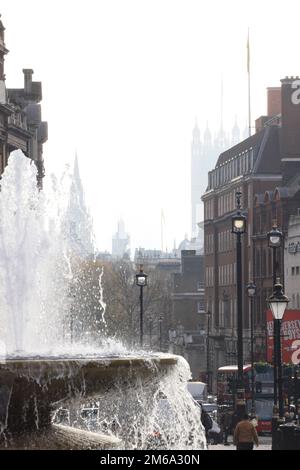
(13, 121)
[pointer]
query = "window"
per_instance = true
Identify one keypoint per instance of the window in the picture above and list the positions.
(201, 306)
(297, 270)
(200, 285)
(293, 271)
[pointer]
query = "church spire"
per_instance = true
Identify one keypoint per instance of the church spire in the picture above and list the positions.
(196, 133)
(235, 133)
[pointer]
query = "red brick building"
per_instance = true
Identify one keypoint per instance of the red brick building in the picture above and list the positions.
(257, 166)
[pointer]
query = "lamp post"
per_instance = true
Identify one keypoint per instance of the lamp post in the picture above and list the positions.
(238, 228)
(274, 238)
(251, 291)
(141, 281)
(150, 332)
(278, 303)
(160, 332)
(208, 314)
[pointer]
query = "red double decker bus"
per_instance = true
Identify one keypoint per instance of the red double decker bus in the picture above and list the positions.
(263, 390)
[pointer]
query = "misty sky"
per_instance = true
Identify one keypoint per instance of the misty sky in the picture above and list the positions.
(123, 81)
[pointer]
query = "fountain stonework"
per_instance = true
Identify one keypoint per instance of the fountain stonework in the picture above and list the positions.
(29, 388)
(41, 369)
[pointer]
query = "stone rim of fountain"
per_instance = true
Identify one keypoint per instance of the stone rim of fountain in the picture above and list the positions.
(37, 384)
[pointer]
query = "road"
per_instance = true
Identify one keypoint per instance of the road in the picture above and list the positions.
(264, 444)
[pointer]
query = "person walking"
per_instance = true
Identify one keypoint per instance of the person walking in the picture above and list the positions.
(226, 425)
(245, 434)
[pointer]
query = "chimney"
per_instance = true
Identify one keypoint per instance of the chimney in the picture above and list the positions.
(274, 108)
(274, 101)
(27, 80)
(290, 105)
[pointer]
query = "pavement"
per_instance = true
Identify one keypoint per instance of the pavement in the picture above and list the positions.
(265, 443)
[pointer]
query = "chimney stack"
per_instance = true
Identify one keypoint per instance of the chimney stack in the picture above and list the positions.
(27, 80)
(274, 101)
(290, 105)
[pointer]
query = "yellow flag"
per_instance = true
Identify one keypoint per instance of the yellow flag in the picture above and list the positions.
(248, 53)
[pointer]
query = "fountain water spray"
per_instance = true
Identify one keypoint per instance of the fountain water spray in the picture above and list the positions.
(54, 331)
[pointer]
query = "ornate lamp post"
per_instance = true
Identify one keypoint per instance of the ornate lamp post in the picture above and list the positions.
(208, 373)
(251, 291)
(238, 228)
(278, 303)
(275, 238)
(141, 281)
(160, 332)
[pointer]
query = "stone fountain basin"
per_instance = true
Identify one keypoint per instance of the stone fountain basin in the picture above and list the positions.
(31, 387)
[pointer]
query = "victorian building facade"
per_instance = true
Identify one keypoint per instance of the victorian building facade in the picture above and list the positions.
(256, 167)
(21, 125)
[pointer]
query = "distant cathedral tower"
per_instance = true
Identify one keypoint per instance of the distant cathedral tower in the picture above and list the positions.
(120, 241)
(196, 179)
(235, 134)
(203, 157)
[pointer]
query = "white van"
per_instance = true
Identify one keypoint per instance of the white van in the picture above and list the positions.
(198, 390)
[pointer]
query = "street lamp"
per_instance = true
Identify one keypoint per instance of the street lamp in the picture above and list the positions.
(278, 303)
(208, 314)
(160, 331)
(141, 281)
(150, 331)
(251, 291)
(238, 228)
(274, 238)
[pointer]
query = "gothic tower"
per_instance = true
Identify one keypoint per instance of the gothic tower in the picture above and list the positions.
(197, 178)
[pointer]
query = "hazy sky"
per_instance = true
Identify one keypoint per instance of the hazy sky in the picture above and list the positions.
(123, 81)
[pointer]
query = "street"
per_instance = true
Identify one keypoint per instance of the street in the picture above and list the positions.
(264, 444)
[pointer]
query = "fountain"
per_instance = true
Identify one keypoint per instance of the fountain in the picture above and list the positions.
(42, 369)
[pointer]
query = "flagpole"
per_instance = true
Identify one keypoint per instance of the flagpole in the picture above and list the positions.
(249, 84)
(161, 231)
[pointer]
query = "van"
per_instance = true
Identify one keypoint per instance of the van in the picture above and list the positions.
(198, 390)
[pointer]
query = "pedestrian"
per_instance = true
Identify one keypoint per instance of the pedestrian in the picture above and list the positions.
(245, 434)
(227, 418)
(206, 421)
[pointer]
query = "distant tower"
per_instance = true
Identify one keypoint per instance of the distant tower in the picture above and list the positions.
(207, 141)
(120, 241)
(235, 134)
(198, 178)
(246, 132)
(78, 223)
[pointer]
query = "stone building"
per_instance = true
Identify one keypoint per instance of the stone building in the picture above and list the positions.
(292, 261)
(267, 160)
(120, 242)
(187, 332)
(21, 125)
(204, 151)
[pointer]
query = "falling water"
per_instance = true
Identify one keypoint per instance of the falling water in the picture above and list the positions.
(47, 268)
(45, 246)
